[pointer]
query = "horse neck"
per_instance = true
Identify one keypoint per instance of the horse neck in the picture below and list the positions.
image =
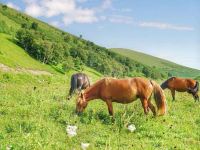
(92, 92)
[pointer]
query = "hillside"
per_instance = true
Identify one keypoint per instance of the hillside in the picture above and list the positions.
(17, 60)
(58, 48)
(172, 68)
(15, 57)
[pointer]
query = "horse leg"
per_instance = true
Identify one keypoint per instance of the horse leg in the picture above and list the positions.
(145, 105)
(70, 93)
(151, 106)
(110, 107)
(173, 94)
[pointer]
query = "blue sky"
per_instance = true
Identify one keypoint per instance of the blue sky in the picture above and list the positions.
(169, 29)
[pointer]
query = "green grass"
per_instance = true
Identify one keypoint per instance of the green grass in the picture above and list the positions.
(10, 22)
(37, 119)
(175, 69)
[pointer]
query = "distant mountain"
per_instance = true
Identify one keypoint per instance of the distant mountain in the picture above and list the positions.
(152, 61)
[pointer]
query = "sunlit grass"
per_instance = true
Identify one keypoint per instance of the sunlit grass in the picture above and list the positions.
(37, 119)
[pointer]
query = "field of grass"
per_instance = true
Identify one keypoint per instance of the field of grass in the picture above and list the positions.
(174, 69)
(37, 119)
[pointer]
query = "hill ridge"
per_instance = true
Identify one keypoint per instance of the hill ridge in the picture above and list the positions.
(152, 61)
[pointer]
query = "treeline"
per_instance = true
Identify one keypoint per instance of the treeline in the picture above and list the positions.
(55, 47)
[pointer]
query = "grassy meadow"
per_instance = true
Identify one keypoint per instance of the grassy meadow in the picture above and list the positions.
(37, 119)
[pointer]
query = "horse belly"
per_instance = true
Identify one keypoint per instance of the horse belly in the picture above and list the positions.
(124, 100)
(181, 90)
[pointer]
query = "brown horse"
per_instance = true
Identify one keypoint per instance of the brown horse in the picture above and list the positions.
(79, 81)
(182, 85)
(124, 91)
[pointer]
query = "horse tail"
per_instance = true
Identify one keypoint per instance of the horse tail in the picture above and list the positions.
(197, 86)
(159, 97)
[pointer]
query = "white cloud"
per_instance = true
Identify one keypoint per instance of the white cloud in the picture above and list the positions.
(121, 19)
(57, 7)
(12, 5)
(164, 26)
(106, 4)
(34, 10)
(80, 16)
(68, 10)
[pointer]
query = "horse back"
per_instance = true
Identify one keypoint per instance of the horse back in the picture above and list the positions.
(124, 90)
(181, 84)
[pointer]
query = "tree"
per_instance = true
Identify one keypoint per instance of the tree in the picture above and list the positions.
(25, 39)
(24, 25)
(4, 6)
(47, 52)
(34, 25)
(68, 64)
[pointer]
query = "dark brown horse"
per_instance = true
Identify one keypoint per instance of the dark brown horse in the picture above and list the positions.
(124, 91)
(79, 81)
(182, 85)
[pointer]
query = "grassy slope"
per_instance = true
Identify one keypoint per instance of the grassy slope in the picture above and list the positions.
(37, 119)
(175, 69)
(10, 22)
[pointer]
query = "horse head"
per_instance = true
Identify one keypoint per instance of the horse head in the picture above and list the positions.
(81, 103)
(194, 91)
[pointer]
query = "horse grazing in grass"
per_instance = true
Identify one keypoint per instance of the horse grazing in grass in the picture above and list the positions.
(182, 85)
(79, 81)
(124, 91)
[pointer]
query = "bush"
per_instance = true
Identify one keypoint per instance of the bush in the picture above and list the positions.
(68, 64)
(34, 25)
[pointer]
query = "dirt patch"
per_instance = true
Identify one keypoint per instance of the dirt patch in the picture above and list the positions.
(5, 68)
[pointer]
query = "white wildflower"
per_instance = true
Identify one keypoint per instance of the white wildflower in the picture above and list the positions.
(131, 127)
(84, 146)
(9, 147)
(71, 130)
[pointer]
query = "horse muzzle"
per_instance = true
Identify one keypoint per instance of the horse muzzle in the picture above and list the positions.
(79, 113)
(196, 97)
